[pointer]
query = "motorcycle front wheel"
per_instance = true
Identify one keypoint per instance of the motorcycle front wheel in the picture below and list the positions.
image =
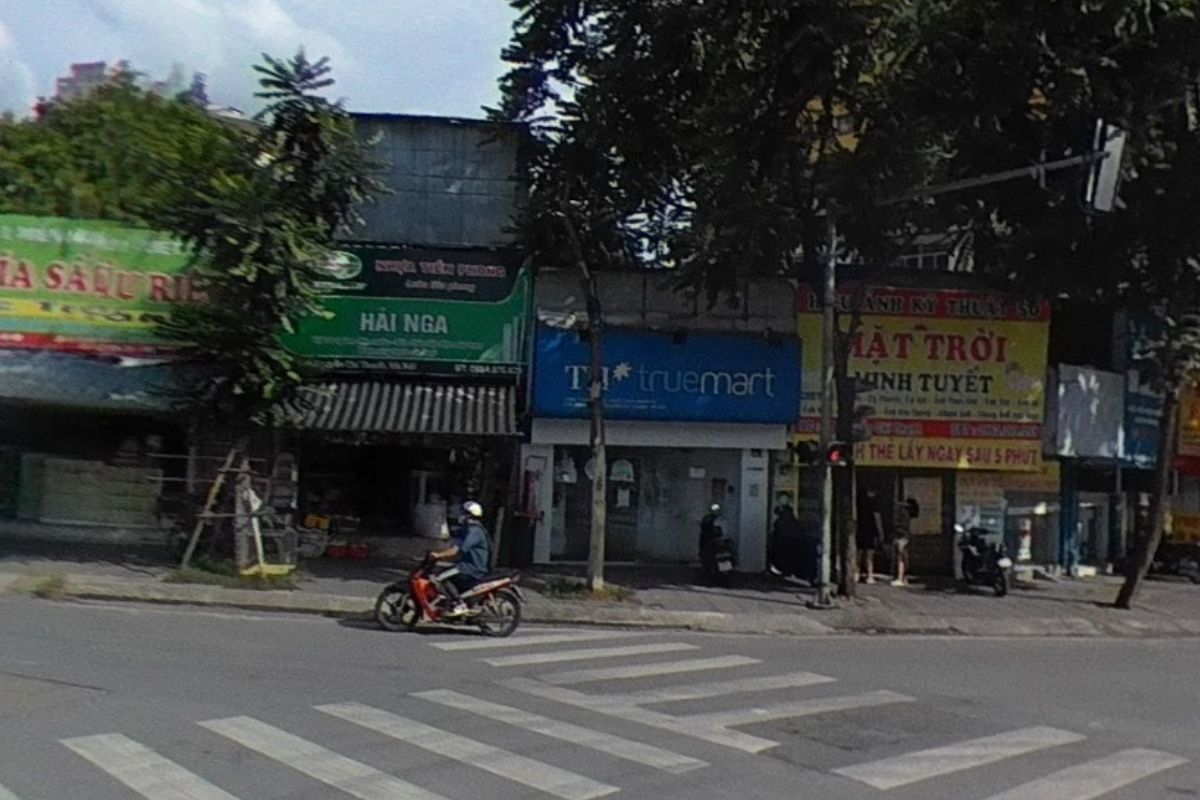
(500, 614)
(395, 610)
(1000, 585)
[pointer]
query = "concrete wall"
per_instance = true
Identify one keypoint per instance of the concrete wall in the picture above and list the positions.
(649, 301)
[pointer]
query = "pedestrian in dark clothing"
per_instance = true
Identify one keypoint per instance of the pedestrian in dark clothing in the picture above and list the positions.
(905, 513)
(868, 534)
(787, 543)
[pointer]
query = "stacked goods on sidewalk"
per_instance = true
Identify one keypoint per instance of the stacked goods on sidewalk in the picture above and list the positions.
(70, 491)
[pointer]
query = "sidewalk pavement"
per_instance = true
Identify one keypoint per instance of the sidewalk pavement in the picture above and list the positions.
(666, 597)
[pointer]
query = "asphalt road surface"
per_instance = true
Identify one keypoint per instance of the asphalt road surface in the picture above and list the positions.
(112, 702)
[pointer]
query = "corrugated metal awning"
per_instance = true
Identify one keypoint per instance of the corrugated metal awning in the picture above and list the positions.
(410, 407)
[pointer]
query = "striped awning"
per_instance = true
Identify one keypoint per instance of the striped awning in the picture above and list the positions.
(409, 407)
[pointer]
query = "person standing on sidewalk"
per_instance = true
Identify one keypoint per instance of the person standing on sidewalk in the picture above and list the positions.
(906, 511)
(868, 534)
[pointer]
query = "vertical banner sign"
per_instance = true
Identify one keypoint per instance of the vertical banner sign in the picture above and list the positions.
(1189, 431)
(87, 286)
(959, 378)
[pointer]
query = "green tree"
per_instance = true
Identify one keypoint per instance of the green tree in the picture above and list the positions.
(1134, 65)
(258, 210)
(261, 232)
(720, 139)
(119, 153)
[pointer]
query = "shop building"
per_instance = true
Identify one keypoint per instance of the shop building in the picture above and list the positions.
(696, 403)
(953, 386)
(423, 347)
(87, 441)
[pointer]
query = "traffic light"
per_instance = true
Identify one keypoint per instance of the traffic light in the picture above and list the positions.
(840, 454)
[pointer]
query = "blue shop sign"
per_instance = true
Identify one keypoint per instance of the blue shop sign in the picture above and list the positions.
(1143, 402)
(694, 377)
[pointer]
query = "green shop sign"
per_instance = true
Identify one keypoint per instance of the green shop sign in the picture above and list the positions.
(87, 285)
(419, 310)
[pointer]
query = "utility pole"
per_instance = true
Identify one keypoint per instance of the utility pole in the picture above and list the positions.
(824, 598)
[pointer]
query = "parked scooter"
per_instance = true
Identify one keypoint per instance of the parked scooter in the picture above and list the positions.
(717, 556)
(984, 562)
(1177, 559)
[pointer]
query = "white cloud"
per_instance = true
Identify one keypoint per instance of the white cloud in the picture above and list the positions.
(222, 38)
(17, 83)
(427, 56)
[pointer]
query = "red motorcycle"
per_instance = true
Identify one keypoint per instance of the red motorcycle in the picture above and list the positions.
(494, 606)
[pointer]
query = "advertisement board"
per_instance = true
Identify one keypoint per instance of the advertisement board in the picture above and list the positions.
(418, 310)
(700, 377)
(1089, 413)
(1133, 335)
(1189, 430)
(959, 378)
(87, 286)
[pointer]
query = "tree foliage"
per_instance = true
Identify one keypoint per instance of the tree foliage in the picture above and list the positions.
(121, 153)
(258, 209)
(714, 137)
(262, 234)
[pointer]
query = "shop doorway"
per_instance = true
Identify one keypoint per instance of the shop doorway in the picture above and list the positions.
(574, 473)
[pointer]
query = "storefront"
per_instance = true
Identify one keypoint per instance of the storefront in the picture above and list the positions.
(87, 441)
(952, 388)
(692, 419)
(422, 355)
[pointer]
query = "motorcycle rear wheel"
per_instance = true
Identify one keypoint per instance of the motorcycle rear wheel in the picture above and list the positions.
(395, 609)
(1000, 585)
(500, 614)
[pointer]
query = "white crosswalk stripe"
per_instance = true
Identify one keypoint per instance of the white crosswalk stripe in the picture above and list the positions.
(800, 708)
(531, 640)
(1094, 778)
(699, 691)
(708, 727)
(627, 749)
(570, 677)
(588, 654)
(902, 770)
(5, 794)
(526, 771)
(600, 704)
(352, 777)
(142, 770)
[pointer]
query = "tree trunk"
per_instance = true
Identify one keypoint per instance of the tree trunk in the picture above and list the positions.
(843, 502)
(595, 318)
(595, 568)
(1146, 541)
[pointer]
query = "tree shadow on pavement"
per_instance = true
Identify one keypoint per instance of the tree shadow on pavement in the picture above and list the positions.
(143, 558)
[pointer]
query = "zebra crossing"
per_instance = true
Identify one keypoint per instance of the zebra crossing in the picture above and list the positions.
(566, 698)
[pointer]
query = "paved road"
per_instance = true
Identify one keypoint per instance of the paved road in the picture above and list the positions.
(113, 702)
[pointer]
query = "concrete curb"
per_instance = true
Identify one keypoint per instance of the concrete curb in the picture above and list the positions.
(538, 610)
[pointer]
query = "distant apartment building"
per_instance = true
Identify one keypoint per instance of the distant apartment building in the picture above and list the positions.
(83, 78)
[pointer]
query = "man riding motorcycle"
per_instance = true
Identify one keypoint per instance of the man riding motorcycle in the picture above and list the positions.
(471, 550)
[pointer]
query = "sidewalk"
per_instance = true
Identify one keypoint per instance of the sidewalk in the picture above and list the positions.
(663, 597)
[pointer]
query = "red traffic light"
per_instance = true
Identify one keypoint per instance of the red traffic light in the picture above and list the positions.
(839, 454)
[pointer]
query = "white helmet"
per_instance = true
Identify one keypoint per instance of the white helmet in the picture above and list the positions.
(472, 510)
(715, 508)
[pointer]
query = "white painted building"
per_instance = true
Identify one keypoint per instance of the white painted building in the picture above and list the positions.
(698, 400)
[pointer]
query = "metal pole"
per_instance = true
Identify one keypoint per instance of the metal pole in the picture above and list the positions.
(828, 331)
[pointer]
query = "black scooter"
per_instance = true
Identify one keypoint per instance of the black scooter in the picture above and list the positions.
(717, 559)
(984, 562)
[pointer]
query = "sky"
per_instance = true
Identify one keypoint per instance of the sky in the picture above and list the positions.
(438, 57)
